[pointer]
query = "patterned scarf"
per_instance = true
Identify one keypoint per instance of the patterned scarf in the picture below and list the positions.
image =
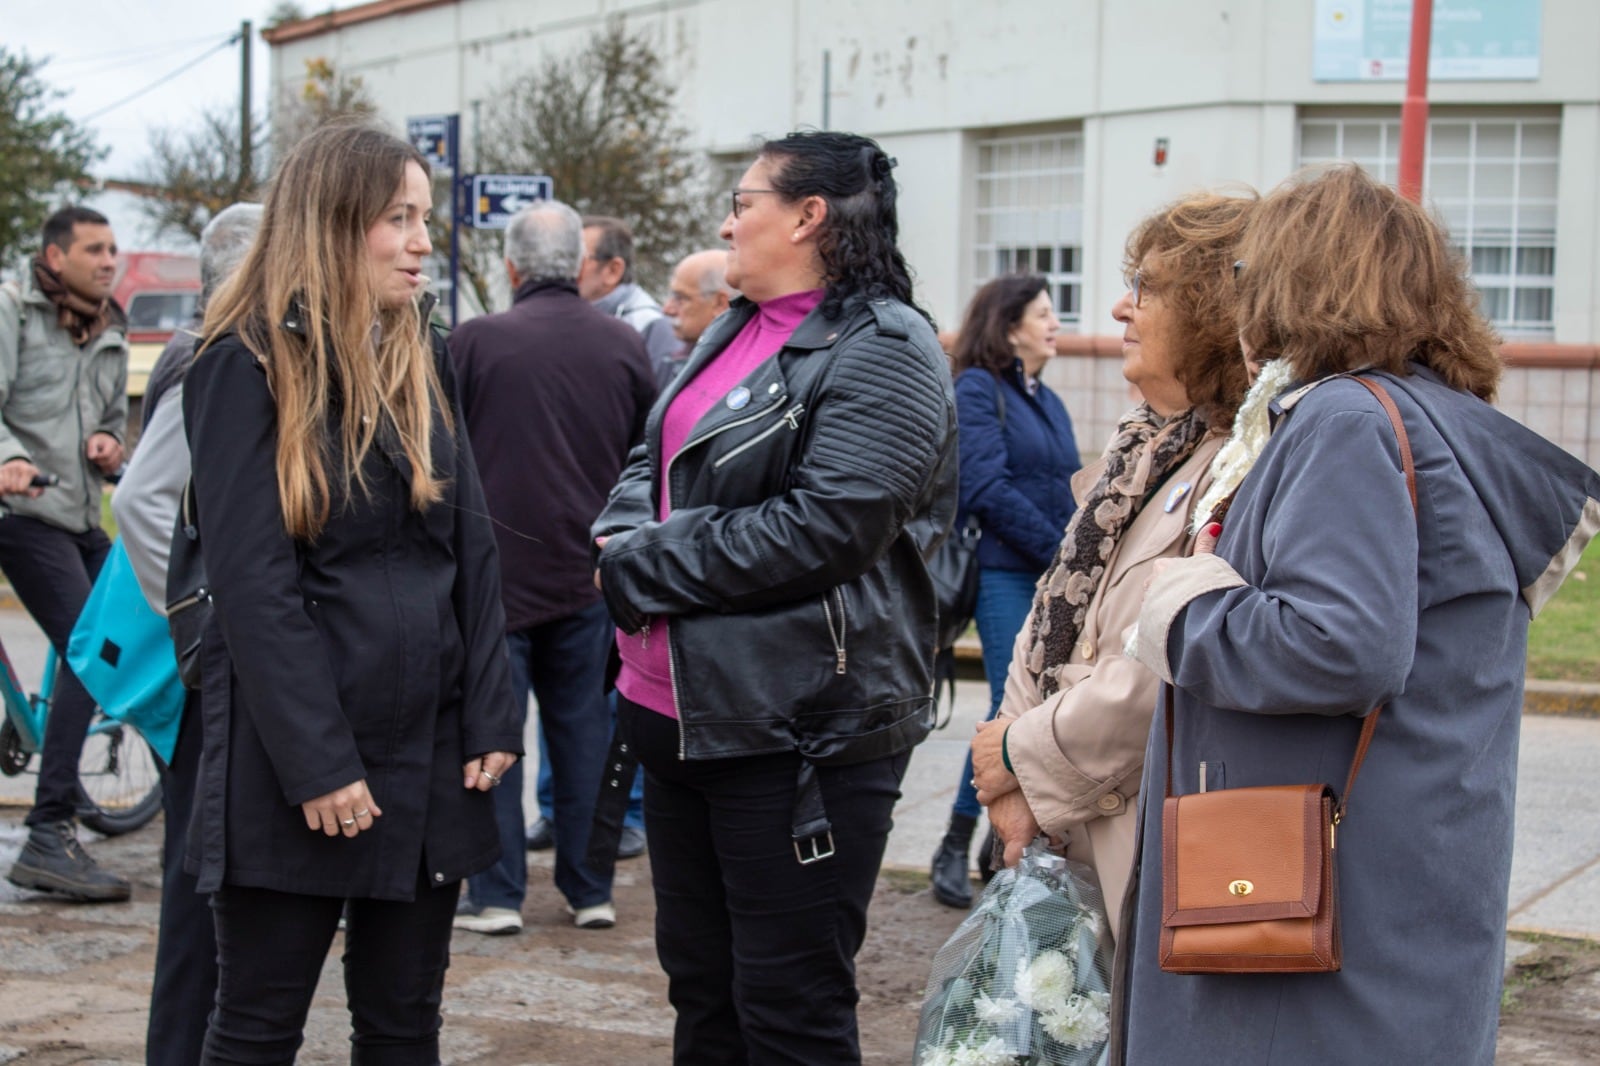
(84, 320)
(1138, 459)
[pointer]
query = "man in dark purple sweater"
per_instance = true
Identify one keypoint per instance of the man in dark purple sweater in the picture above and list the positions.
(554, 393)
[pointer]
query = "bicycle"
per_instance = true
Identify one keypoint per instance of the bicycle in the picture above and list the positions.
(119, 782)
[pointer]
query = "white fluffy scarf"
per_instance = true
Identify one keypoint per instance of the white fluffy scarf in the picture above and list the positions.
(1252, 427)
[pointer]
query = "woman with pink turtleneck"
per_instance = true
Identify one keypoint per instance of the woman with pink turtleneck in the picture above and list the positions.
(763, 558)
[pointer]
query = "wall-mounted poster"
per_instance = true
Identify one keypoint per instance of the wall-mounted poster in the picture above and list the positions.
(1473, 40)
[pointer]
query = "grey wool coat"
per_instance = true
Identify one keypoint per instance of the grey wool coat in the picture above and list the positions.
(1326, 598)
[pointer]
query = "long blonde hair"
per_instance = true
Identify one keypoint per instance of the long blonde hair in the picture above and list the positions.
(375, 364)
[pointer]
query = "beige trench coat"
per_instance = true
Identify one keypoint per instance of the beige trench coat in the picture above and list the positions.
(1079, 754)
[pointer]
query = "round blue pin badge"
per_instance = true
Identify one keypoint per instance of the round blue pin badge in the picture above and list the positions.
(738, 399)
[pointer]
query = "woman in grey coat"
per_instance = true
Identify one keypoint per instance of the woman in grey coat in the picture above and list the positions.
(1326, 597)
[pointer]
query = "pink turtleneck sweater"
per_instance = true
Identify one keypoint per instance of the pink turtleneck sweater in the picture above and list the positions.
(646, 676)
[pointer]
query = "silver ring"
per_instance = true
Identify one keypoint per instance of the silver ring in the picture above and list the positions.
(493, 780)
(347, 821)
(360, 814)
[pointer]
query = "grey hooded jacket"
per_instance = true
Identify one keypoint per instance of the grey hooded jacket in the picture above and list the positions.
(1326, 598)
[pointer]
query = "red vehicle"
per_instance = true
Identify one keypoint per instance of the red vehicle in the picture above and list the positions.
(158, 290)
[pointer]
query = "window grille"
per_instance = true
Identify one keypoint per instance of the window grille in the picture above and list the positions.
(1493, 181)
(1029, 215)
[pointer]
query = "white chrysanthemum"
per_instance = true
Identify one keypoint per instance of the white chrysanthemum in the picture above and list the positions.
(1045, 983)
(1079, 1023)
(996, 1011)
(992, 1052)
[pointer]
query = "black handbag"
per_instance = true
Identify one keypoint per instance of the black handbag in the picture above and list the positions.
(189, 606)
(954, 570)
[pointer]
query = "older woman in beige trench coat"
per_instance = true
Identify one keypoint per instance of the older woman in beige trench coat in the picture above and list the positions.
(1066, 752)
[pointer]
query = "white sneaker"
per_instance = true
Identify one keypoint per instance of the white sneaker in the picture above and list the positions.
(490, 921)
(599, 916)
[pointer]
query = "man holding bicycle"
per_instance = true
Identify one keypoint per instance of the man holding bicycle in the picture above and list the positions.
(63, 409)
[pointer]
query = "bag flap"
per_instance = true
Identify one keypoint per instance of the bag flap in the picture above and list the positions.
(1244, 854)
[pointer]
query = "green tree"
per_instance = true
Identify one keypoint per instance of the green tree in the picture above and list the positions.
(192, 173)
(601, 123)
(41, 149)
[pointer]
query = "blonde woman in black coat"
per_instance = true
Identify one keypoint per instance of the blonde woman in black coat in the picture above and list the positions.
(356, 694)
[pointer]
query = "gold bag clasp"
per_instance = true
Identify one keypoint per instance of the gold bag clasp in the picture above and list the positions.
(1241, 887)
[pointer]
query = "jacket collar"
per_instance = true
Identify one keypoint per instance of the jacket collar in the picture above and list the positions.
(294, 320)
(544, 285)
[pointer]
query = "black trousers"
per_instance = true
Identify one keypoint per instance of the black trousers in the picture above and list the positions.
(759, 950)
(271, 948)
(51, 571)
(185, 984)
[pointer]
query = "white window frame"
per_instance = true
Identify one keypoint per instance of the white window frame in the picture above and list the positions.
(1509, 285)
(992, 258)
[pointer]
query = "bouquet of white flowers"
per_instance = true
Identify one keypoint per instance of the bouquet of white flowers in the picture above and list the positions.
(1026, 978)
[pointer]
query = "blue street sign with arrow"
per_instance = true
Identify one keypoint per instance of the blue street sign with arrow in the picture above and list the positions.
(433, 136)
(496, 197)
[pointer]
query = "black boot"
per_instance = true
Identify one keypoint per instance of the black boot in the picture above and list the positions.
(53, 860)
(948, 878)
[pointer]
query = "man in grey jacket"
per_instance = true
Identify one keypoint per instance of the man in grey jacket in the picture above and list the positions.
(605, 279)
(63, 409)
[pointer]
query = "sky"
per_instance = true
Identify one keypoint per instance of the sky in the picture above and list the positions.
(103, 51)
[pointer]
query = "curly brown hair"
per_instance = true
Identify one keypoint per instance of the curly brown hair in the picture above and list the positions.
(1343, 272)
(1186, 252)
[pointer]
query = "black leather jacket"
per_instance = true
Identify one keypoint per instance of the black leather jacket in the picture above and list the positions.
(792, 564)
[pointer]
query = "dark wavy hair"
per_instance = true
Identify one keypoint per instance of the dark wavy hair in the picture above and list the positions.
(857, 241)
(994, 311)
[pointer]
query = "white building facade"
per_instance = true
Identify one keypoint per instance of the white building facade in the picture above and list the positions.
(1033, 134)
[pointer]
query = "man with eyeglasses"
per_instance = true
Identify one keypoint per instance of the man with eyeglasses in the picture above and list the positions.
(699, 293)
(605, 279)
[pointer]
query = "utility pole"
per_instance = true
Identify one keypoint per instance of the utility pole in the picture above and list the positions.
(246, 164)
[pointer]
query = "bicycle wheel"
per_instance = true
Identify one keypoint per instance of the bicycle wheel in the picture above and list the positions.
(118, 778)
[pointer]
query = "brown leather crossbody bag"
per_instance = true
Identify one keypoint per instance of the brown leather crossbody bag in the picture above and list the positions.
(1248, 881)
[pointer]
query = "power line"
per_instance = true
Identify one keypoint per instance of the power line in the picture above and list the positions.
(144, 51)
(207, 54)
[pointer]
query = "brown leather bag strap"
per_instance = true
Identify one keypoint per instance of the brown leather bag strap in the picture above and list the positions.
(1370, 723)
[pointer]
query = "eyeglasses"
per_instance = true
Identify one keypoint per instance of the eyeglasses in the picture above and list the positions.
(1138, 287)
(1238, 268)
(738, 208)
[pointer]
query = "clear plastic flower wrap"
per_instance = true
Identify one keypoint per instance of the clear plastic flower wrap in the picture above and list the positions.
(1025, 979)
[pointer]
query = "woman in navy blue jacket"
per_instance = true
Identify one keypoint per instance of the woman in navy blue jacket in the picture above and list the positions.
(1018, 455)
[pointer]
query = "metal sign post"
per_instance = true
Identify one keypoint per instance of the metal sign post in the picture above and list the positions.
(438, 138)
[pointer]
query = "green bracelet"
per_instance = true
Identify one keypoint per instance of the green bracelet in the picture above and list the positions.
(1005, 751)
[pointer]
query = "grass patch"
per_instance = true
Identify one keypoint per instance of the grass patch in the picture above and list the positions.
(1553, 961)
(905, 882)
(1564, 641)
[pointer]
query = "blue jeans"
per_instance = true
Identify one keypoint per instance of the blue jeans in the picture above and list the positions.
(563, 661)
(1004, 597)
(544, 787)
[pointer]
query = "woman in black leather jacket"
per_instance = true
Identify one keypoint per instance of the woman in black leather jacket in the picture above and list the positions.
(763, 557)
